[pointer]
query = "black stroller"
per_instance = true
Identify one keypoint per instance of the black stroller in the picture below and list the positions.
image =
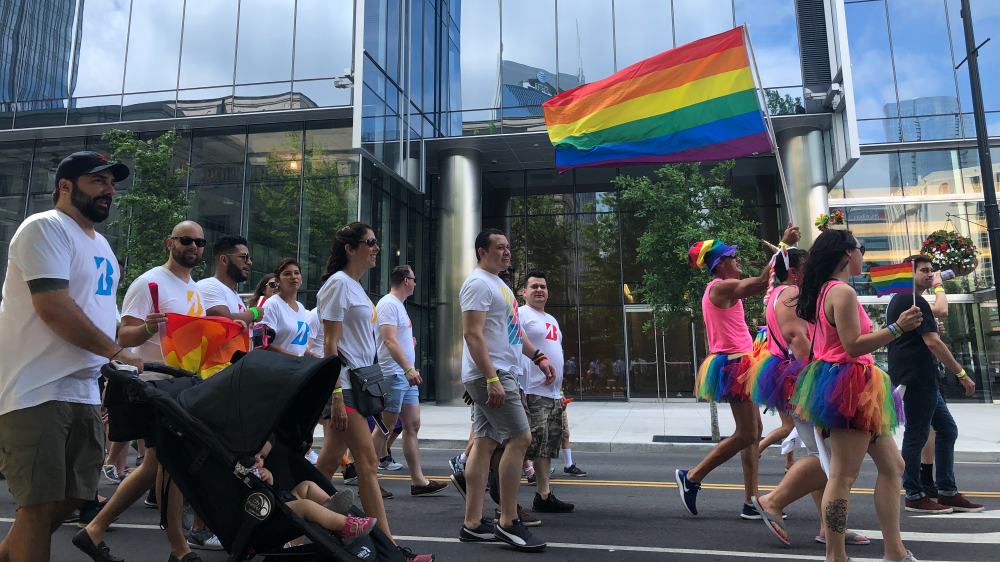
(207, 433)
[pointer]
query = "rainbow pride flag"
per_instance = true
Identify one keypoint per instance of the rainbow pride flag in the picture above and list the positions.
(889, 279)
(696, 102)
(202, 345)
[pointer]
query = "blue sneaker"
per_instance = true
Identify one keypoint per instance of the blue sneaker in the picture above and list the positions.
(750, 512)
(688, 490)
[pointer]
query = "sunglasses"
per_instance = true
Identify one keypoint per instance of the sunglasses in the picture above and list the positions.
(244, 257)
(414, 279)
(371, 242)
(186, 241)
(272, 284)
(861, 248)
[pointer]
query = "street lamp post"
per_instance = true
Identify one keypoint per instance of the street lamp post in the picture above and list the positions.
(982, 140)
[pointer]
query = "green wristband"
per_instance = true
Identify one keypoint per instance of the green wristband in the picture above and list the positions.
(408, 371)
(148, 331)
(494, 379)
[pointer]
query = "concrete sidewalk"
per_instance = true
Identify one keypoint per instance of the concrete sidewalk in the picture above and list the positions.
(611, 427)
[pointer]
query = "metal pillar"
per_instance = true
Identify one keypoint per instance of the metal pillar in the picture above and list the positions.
(459, 198)
(804, 162)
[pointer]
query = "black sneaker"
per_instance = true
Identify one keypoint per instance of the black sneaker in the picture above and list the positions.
(150, 500)
(189, 557)
(97, 552)
(482, 533)
(574, 470)
(518, 536)
(551, 504)
(350, 474)
(458, 479)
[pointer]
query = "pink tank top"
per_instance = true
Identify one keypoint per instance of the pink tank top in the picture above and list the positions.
(775, 341)
(727, 327)
(827, 342)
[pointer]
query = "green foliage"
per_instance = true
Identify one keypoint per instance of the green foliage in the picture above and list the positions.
(778, 105)
(152, 205)
(682, 208)
(550, 234)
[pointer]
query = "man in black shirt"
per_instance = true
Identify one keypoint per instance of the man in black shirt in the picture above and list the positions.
(913, 360)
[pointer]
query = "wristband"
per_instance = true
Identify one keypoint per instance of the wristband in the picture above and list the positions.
(408, 371)
(962, 376)
(538, 353)
(120, 349)
(539, 357)
(336, 390)
(894, 330)
(494, 379)
(256, 315)
(148, 331)
(938, 289)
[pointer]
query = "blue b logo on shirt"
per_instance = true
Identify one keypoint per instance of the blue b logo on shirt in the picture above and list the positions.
(106, 276)
(302, 335)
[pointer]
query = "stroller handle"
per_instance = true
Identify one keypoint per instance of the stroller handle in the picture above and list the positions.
(120, 371)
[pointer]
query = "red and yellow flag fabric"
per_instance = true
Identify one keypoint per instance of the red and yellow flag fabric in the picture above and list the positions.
(202, 345)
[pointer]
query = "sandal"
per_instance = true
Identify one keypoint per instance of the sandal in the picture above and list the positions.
(850, 538)
(770, 520)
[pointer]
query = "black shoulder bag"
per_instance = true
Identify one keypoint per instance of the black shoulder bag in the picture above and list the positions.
(369, 388)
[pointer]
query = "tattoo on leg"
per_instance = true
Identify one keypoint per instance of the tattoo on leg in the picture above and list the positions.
(836, 516)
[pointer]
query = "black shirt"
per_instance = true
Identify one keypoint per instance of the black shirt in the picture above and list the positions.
(910, 360)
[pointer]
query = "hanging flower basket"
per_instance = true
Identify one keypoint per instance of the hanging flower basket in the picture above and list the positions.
(950, 250)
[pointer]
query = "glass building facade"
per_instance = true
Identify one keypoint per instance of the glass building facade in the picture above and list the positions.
(301, 115)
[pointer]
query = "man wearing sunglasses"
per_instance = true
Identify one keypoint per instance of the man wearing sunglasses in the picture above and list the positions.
(232, 266)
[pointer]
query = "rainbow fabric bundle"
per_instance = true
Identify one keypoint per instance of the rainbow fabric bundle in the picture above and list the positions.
(689, 104)
(202, 345)
(889, 279)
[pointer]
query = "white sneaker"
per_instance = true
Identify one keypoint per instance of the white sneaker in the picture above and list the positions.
(312, 457)
(909, 558)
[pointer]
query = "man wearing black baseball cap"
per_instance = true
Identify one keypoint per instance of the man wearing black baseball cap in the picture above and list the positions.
(58, 319)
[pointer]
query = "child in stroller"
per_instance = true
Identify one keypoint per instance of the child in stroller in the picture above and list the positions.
(311, 503)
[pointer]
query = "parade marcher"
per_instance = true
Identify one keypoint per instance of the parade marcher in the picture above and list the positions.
(397, 358)
(57, 328)
(844, 393)
(178, 294)
(232, 266)
(570, 468)
(492, 344)
(267, 287)
(913, 361)
(349, 320)
(287, 316)
(725, 374)
(543, 395)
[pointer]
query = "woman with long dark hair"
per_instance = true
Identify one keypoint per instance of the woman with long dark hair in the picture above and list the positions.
(267, 288)
(842, 391)
(349, 323)
(287, 316)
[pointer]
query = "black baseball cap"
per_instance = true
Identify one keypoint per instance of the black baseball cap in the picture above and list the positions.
(87, 162)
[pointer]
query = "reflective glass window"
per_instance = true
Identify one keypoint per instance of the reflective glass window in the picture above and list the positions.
(480, 44)
(394, 27)
(15, 163)
(48, 154)
(101, 30)
(329, 23)
(205, 101)
(155, 105)
(871, 62)
(602, 345)
(882, 230)
(319, 93)
(925, 77)
(599, 253)
(209, 48)
(265, 41)
(985, 18)
(586, 42)
(528, 69)
(874, 175)
(262, 97)
(46, 113)
(551, 247)
(696, 19)
(643, 28)
(775, 38)
(273, 222)
(154, 45)
(101, 109)
(430, 22)
(931, 172)
(218, 155)
(329, 197)
(218, 208)
(413, 80)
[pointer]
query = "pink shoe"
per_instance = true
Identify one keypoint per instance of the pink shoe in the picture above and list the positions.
(357, 527)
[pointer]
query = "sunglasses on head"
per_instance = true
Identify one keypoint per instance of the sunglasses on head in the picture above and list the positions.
(186, 241)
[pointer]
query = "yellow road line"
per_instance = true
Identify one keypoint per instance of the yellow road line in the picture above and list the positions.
(647, 484)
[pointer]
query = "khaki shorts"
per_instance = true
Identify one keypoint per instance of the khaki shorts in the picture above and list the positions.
(52, 452)
(546, 427)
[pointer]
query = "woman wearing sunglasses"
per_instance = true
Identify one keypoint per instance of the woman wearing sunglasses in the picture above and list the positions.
(349, 323)
(267, 288)
(842, 391)
(287, 316)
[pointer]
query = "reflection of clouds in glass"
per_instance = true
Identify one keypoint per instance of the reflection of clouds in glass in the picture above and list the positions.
(696, 19)
(480, 47)
(265, 42)
(323, 36)
(871, 65)
(595, 39)
(530, 40)
(775, 39)
(920, 49)
(102, 51)
(154, 45)
(642, 29)
(209, 43)
(986, 17)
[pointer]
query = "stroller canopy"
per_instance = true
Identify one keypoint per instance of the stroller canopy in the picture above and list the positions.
(263, 392)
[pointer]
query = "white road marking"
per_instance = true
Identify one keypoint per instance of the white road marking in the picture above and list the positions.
(991, 514)
(962, 538)
(113, 525)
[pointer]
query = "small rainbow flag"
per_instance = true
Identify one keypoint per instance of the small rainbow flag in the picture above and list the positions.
(696, 102)
(889, 279)
(202, 345)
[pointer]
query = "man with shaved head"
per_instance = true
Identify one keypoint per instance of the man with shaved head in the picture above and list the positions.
(178, 294)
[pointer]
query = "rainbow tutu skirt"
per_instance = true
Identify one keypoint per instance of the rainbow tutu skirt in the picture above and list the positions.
(725, 378)
(773, 381)
(847, 396)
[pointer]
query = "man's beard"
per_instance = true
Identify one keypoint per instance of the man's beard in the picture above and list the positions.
(88, 205)
(183, 259)
(235, 273)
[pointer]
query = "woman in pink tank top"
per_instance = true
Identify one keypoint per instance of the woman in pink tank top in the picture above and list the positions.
(843, 392)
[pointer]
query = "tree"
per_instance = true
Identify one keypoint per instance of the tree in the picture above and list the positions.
(152, 205)
(682, 208)
(778, 105)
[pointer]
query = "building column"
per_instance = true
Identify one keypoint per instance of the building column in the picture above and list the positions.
(803, 160)
(459, 199)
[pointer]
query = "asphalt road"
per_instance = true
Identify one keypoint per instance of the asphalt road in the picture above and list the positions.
(627, 509)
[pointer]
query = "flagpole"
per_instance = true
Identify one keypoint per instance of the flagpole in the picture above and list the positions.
(770, 125)
(906, 225)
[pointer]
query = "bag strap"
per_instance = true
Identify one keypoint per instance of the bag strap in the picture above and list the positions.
(821, 303)
(770, 330)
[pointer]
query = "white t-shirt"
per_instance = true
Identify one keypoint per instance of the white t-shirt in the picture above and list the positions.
(214, 293)
(342, 299)
(291, 328)
(316, 343)
(542, 329)
(36, 365)
(175, 296)
(485, 292)
(391, 312)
